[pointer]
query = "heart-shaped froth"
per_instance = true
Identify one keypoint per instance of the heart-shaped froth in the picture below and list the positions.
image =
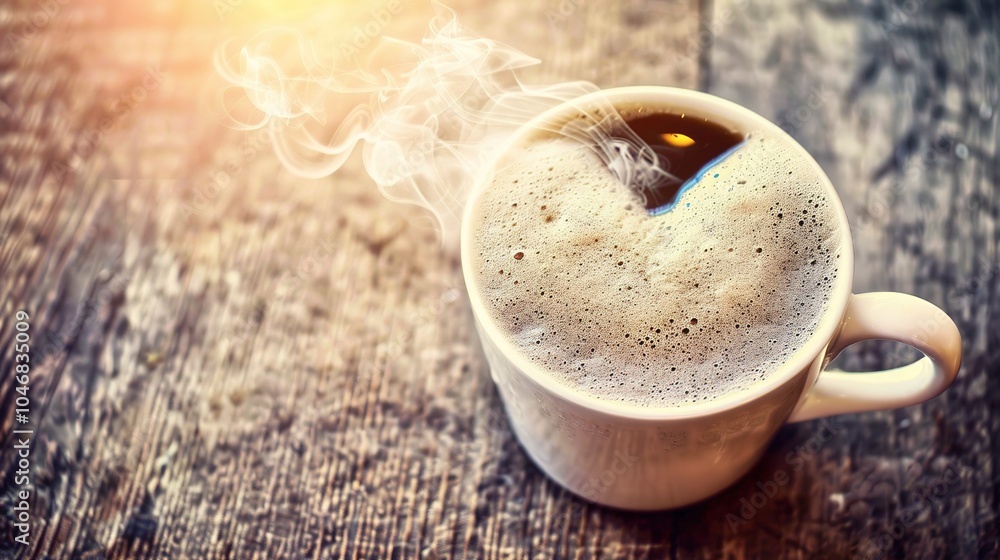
(704, 300)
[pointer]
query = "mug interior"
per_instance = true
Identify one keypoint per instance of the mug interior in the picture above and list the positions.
(720, 111)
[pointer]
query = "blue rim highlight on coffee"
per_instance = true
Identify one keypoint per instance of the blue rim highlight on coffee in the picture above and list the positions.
(660, 210)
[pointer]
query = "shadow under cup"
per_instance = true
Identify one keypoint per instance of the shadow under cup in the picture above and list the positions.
(650, 458)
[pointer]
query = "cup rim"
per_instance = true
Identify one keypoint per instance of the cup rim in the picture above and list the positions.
(701, 104)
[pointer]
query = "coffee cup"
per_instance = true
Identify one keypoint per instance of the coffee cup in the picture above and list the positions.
(660, 457)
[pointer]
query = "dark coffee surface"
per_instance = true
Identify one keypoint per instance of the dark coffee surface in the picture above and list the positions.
(684, 146)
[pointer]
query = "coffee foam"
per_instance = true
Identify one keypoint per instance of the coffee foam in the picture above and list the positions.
(704, 300)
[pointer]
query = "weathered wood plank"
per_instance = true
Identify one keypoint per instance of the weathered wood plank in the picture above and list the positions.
(202, 393)
(893, 101)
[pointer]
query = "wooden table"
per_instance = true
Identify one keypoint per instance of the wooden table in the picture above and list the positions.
(290, 370)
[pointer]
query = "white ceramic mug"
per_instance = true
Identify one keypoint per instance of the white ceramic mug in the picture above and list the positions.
(647, 458)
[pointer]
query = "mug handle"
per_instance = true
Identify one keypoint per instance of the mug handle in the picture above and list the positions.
(887, 316)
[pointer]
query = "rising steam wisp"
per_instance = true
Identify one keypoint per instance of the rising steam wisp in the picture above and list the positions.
(429, 121)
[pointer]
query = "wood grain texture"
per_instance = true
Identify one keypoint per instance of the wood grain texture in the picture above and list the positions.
(283, 368)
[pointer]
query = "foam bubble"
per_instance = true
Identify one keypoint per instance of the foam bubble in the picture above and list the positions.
(684, 307)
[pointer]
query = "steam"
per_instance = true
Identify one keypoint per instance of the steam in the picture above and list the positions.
(429, 121)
